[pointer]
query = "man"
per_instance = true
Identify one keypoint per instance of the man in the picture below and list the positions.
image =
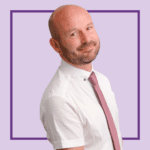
(70, 110)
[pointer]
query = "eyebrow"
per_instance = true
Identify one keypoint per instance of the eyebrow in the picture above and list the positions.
(91, 23)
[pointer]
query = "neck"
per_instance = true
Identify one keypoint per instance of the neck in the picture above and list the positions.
(86, 67)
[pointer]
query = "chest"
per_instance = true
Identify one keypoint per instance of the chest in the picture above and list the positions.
(91, 112)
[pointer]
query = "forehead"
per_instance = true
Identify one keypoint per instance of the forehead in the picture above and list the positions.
(69, 19)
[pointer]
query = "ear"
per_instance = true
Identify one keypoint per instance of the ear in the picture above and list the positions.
(55, 45)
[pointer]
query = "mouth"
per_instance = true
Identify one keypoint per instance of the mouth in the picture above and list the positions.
(87, 48)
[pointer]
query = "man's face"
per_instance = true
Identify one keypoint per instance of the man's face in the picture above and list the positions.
(79, 41)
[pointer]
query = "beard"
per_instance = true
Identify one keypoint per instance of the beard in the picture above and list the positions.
(80, 58)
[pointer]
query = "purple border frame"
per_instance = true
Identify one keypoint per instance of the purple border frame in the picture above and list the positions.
(90, 11)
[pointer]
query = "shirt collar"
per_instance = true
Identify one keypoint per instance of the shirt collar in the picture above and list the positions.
(74, 71)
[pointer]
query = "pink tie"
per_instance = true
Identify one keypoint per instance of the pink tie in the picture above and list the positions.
(106, 110)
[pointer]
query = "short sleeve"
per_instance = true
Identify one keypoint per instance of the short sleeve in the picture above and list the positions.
(62, 123)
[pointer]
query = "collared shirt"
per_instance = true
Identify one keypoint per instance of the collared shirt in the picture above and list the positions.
(71, 113)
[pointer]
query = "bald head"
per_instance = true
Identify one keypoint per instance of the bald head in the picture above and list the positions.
(63, 14)
(73, 35)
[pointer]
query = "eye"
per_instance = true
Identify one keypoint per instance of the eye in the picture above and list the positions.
(73, 34)
(89, 28)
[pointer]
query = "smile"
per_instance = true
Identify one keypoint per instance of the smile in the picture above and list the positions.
(87, 49)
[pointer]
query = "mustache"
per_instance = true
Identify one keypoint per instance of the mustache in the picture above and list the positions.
(85, 45)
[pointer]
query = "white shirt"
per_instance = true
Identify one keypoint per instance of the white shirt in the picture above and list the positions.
(71, 113)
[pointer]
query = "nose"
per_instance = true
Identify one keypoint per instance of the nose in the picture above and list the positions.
(85, 37)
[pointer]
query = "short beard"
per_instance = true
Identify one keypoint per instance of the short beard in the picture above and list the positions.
(72, 57)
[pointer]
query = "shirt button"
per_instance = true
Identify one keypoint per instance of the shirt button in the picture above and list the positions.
(84, 79)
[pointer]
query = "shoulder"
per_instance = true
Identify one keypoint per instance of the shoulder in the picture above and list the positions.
(55, 92)
(58, 85)
(101, 76)
(103, 80)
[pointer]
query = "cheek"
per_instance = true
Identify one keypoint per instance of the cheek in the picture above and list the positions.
(72, 44)
(96, 35)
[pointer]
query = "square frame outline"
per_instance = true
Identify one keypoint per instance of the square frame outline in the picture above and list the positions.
(90, 11)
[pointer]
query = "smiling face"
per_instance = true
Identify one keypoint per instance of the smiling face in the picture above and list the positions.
(79, 43)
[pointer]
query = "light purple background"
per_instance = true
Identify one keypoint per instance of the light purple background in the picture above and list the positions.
(35, 62)
(34, 67)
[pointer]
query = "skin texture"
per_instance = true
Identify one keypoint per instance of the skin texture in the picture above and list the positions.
(74, 148)
(78, 43)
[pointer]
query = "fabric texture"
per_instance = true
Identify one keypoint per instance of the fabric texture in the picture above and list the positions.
(71, 113)
(106, 110)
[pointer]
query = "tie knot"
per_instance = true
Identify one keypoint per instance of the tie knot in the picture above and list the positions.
(93, 79)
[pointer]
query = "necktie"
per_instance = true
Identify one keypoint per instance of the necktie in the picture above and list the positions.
(106, 110)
